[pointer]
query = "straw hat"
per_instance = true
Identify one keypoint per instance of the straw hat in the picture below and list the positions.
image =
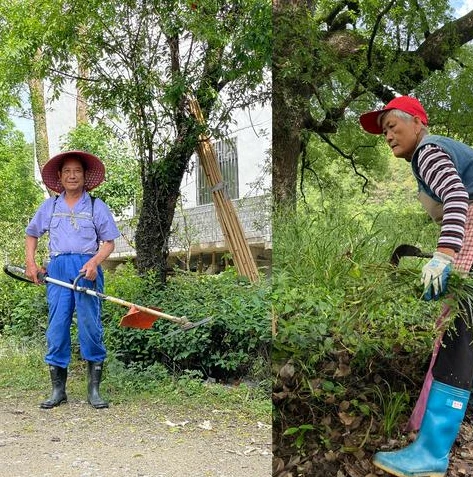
(94, 170)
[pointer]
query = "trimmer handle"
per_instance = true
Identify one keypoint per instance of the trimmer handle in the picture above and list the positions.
(16, 272)
(76, 280)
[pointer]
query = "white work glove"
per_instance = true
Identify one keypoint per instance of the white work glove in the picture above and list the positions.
(435, 275)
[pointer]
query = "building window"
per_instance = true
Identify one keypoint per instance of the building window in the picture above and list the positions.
(228, 161)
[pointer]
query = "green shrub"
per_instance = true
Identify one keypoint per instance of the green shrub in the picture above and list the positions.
(333, 289)
(229, 345)
(23, 308)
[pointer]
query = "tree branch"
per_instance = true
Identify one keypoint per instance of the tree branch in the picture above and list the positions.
(332, 115)
(350, 157)
(74, 77)
(375, 32)
(423, 18)
(442, 43)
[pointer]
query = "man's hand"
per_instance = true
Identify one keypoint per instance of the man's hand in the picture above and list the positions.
(90, 269)
(435, 275)
(32, 271)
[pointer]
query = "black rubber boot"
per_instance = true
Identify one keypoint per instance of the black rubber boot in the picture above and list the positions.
(58, 380)
(95, 376)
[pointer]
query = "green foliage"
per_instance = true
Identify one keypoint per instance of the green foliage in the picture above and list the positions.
(20, 362)
(229, 345)
(20, 194)
(333, 287)
(448, 100)
(393, 404)
(227, 45)
(23, 309)
(295, 35)
(299, 433)
(353, 327)
(135, 377)
(20, 198)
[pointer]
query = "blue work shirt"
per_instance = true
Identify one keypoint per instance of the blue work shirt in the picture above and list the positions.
(73, 230)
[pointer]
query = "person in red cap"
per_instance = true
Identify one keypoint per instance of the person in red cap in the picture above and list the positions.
(443, 169)
(82, 232)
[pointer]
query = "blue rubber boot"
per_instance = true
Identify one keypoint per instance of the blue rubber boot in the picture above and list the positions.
(428, 455)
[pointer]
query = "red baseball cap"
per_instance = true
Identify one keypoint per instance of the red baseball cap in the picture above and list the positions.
(370, 121)
(94, 170)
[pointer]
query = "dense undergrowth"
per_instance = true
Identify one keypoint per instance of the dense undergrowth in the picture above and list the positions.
(233, 345)
(353, 334)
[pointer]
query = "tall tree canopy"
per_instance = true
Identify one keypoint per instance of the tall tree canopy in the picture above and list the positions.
(334, 59)
(143, 60)
(20, 194)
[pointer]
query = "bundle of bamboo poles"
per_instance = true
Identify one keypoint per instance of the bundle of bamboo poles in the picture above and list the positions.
(226, 213)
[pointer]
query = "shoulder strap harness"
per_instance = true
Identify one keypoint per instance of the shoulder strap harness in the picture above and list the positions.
(71, 215)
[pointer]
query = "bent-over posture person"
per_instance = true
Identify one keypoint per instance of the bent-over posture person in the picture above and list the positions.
(443, 168)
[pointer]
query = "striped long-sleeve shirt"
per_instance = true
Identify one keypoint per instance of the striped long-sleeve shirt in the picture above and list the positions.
(439, 173)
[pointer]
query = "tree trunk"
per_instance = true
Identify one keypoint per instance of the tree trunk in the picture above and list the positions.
(39, 120)
(286, 151)
(161, 189)
(288, 104)
(285, 167)
(160, 194)
(154, 224)
(82, 114)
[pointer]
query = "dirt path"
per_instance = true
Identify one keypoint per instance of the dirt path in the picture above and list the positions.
(129, 440)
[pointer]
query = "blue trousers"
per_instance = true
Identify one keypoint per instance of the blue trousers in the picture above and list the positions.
(62, 302)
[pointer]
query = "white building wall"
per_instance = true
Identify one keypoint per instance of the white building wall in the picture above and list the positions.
(252, 129)
(60, 116)
(253, 145)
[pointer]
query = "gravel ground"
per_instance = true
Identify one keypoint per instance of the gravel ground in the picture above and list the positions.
(128, 440)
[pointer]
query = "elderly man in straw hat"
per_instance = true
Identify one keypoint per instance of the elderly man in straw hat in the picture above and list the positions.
(443, 168)
(82, 232)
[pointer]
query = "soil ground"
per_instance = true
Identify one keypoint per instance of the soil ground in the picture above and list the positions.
(142, 439)
(351, 436)
(342, 465)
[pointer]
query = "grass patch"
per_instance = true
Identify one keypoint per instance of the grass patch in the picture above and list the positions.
(20, 364)
(353, 333)
(23, 372)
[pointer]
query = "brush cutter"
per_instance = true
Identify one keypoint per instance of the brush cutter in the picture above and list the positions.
(138, 317)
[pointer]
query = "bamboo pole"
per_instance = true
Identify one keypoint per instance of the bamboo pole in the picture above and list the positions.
(225, 210)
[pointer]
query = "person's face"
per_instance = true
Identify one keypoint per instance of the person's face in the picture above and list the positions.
(72, 175)
(402, 135)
